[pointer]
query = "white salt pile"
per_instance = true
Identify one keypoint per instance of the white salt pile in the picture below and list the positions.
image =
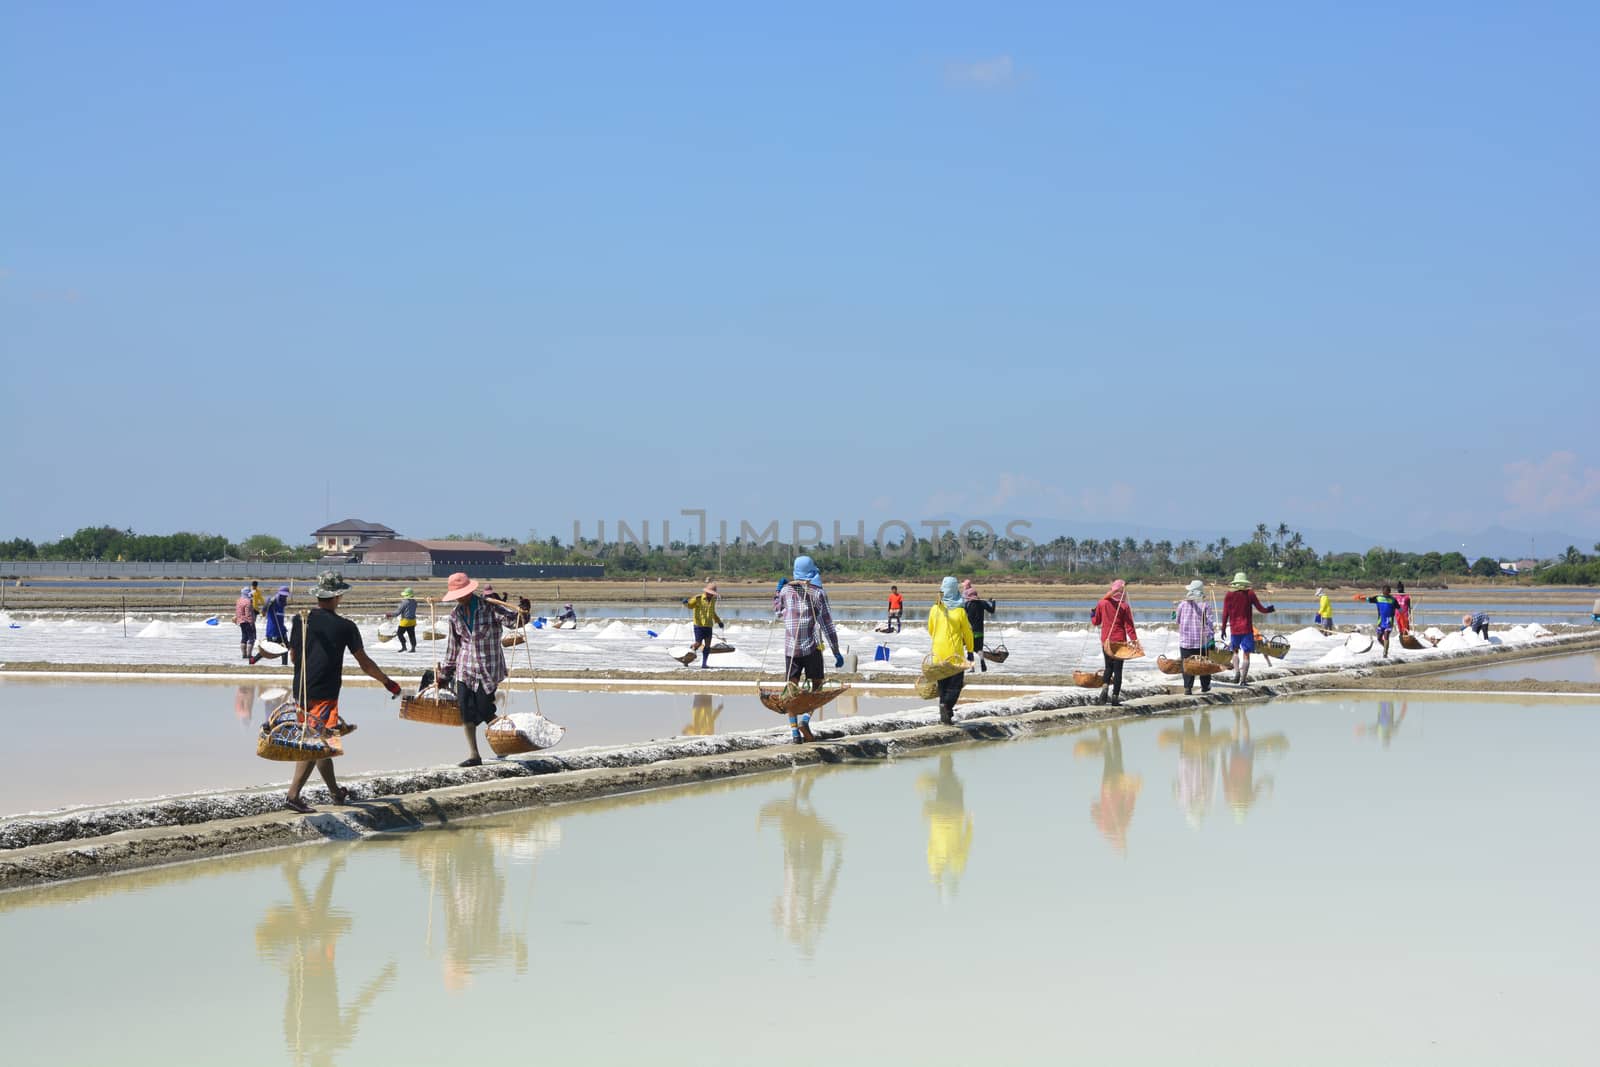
(157, 629)
(616, 630)
(1305, 634)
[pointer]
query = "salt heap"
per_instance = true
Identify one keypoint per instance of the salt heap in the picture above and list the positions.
(616, 630)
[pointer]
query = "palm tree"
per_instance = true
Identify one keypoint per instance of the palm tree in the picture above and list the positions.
(1282, 531)
(1260, 536)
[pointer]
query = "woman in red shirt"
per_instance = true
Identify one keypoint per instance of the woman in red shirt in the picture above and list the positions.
(1115, 618)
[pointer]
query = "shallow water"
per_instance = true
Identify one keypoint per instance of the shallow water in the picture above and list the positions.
(1316, 881)
(86, 742)
(1584, 667)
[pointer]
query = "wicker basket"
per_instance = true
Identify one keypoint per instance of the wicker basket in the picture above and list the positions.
(1123, 649)
(1169, 666)
(720, 646)
(926, 687)
(271, 649)
(435, 710)
(512, 640)
(790, 699)
(1088, 679)
(1273, 647)
(1222, 657)
(940, 669)
(284, 738)
(1411, 641)
(387, 631)
(1200, 665)
(997, 654)
(513, 735)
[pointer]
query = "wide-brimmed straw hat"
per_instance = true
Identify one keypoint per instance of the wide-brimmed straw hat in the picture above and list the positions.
(408, 592)
(711, 589)
(1240, 581)
(459, 585)
(331, 584)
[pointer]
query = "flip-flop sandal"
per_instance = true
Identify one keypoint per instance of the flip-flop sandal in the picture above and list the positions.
(346, 728)
(475, 761)
(341, 796)
(299, 805)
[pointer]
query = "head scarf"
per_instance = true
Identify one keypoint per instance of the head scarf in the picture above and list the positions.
(806, 571)
(1115, 592)
(968, 590)
(1197, 590)
(950, 593)
(1319, 590)
(245, 591)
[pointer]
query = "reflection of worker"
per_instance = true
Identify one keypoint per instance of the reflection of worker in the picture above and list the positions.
(949, 825)
(1239, 784)
(244, 702)
(302, 936)
(461, 869)
(702, 716)
(813, 852)
(1196, 785)
(1113, 811)
(1388, 723)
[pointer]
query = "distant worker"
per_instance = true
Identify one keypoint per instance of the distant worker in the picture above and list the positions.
(405, 617)
(1402, 612)
(704, 607)
(1477, 622)
(277, 629)
(1238, 621)
(568, 617)
(1196, 631)
(1324, 612)
(257, 601)
(897, 607)
(807, 621)
(1387, 606)
(524, 611)
(244, 614)
(976, 608)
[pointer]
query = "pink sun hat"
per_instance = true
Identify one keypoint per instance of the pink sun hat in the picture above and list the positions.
(459, 585)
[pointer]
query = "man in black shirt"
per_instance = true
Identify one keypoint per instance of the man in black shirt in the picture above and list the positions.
(317, 645)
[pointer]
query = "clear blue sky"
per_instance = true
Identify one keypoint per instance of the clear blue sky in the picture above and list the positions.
(1342, 261)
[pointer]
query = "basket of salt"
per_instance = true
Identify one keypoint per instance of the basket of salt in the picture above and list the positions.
(1411, 641)
(431, 706)
(997, 654)
(1222, 657)
(513, 735)
(1088, 679)
(1200, 665)
(791, 699)
(387, 629)
(287, 738)
(940, 669)
(1274, 647)
(514, 638)
(1169, 666)
(1123, 649)
(271, 649)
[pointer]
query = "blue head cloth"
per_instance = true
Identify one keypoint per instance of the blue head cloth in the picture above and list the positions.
(781, 583)
(806, 571)
(950, 593)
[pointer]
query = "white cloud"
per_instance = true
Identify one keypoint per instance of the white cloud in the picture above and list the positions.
(1558, 484)
(995, 73)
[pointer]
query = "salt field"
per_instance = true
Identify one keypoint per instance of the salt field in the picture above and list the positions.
(1232, 886)
(1581, 667)
(83, 741)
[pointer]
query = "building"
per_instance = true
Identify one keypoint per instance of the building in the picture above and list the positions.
(342, 537)
(442, 553)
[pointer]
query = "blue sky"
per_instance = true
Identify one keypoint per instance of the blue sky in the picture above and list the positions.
(503, 268)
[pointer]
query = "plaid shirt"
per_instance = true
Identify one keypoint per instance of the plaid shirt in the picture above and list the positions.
(475, 656)
(804, 609)
(1194, 624)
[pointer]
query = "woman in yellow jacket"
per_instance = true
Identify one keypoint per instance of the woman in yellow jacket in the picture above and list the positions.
(952, 639)
(1324, 612)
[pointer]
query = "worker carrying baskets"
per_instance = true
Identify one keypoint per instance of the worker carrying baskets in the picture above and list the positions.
(951, 630)
(309, 732)
(1119, 640)
(802, 604)
(1196, 633)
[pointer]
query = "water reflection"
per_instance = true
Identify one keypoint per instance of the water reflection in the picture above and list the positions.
(301, 937)
(1239, 782)
(1199, 748)
(702, 716)
(813, 852)
(949, 825)
(244, 703)
(1388, 723)
(1119, 790)
(468, 884)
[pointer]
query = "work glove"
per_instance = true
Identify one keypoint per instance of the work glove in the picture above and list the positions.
(393, 687)
(838, 660)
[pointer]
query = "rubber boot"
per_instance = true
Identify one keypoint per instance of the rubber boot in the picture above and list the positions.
(983, 666)
(1105, 694)
(947, 714)
(1116, 696)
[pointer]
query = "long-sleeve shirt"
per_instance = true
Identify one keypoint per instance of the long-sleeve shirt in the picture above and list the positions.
(1386, 609)
(243, 612)
(276, 630)
(1194, 624)
(1115, 619)
(705, 610)
(1325, 607)
(407, 611)
(1236, 611)
(473, 652)
(951, 632)
(806, 619)
(975, 612)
